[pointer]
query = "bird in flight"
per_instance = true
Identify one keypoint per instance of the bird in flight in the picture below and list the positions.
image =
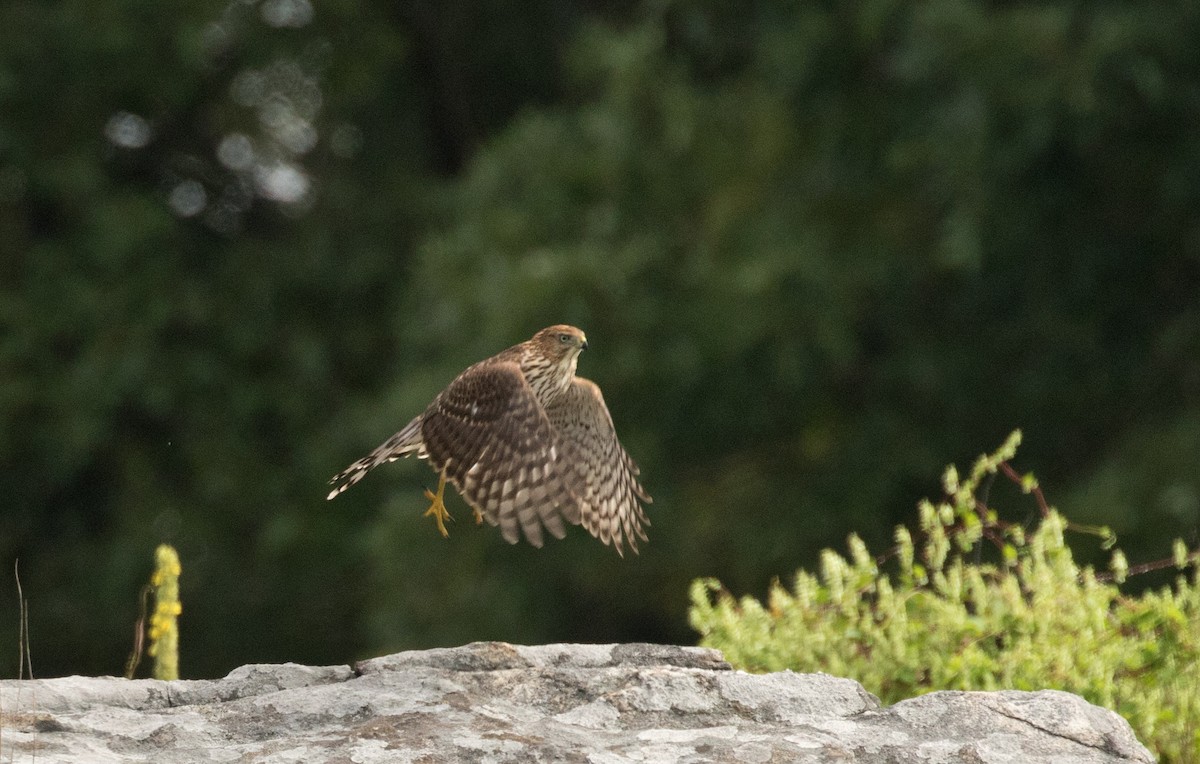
(527, 444)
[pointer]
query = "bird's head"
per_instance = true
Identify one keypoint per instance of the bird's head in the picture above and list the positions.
(550, 363)
(561, 341)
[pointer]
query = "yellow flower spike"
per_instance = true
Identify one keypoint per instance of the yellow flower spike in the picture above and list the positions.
(164, 624)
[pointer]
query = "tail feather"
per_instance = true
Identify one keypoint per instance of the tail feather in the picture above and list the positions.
(407, 441)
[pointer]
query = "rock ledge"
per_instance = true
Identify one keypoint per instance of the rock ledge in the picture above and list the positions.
(496, 702)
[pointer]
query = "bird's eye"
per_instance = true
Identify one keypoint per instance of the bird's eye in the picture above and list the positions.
(564, 338)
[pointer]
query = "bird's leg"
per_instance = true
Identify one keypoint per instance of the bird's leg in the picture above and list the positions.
(437, 506)
(478, 515)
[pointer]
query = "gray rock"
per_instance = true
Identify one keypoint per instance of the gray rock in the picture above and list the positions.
(495, 702)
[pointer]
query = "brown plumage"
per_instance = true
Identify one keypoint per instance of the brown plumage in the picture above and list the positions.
(528, 444)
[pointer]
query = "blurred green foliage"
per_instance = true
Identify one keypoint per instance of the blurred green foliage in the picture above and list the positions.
(949, 618)
(819, 249)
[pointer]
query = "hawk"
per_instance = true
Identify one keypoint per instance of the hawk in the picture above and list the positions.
(528, 444)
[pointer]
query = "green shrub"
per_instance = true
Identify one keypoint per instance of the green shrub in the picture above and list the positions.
(987, 605)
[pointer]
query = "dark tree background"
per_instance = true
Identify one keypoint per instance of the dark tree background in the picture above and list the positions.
(820, 249)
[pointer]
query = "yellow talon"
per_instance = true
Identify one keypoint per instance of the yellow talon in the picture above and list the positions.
(478, 516)
(437, 506)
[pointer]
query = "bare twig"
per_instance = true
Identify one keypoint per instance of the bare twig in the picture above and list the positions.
(1012, 475)
(994, 530)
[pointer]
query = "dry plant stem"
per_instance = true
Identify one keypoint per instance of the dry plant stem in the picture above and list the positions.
(24, 661)
(139, 637)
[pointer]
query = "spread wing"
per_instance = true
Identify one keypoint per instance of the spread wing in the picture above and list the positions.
(492, 438)
(606, 476)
